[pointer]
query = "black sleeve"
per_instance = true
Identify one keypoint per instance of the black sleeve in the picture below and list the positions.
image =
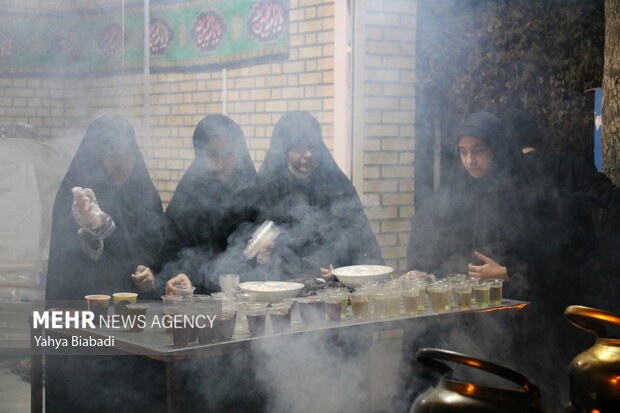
(580, 176)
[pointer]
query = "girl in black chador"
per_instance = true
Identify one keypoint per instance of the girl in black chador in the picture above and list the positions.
(107, 220)
(315, 204)
(214, 208)
(107, 216)
(473, 223)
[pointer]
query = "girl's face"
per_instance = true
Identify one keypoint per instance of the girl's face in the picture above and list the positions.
(118, 163)
(220, 157)
(303, 157)
(476, 156)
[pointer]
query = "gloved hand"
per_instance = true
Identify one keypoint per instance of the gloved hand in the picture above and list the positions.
(85, 209)
(264, 254)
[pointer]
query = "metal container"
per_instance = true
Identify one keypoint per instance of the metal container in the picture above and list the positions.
(594, 375)
(456, 396)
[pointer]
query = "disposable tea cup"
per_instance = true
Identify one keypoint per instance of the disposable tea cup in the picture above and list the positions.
(137, 316)
(184, 290)
(411, 298)
(98, 305)
(360, 307)
(229, 282)
(280, 316)
(482, 294)
(168, 318)
(495, 291)
(121, 300)
(311, 309)
(438, 296)
(255, 314)
(463, 295)
(332, 304)
(224, 324)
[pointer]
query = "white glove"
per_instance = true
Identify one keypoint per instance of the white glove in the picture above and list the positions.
(85, 209)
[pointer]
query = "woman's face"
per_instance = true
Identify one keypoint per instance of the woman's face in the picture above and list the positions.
(303, 157)
(118, 163)
(476, 156)
(220, 157)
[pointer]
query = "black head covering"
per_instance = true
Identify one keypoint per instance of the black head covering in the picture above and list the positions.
(134, 206)
(323, 216)
(207, 216)
(506, 153)
(469, 214)
(522, 125)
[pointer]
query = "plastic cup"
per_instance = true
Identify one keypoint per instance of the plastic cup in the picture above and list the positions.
(360, 307)
(229, 282)
(456, 278)
(121, 300)
(438, 296)
(463, 295)
(224, 324)
(495, 291)
(184, 290)
(266, 233)
(311, 309)
(170, 300)
(183, 335)
(168, 318)
(393, 302)
(137, 316)
(380, 300)
(255, 314)
(343, 294)
(411, 298)
(482, 294)
(98, 305)
(280, 316)
(393, 285)
(332, 304)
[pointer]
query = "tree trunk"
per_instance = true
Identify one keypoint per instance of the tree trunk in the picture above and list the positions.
(611, 92)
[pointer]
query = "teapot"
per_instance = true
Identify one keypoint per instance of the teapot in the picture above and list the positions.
(454, 396)
(594, 375)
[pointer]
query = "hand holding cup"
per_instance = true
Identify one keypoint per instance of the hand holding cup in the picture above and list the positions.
(179, 279)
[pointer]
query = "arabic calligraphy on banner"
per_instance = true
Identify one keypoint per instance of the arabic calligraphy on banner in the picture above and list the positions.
(183, 36)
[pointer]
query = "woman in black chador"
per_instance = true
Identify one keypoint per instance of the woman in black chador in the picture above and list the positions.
(213, 210)
(107, 219)
(472, 225)
(210, 219)
(315, 204)
(107, 216)
(483, 222)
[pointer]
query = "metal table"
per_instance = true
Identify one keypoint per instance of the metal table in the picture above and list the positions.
(157, 344)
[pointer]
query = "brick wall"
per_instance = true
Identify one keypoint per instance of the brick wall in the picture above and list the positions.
(389, 123)
(257, 96)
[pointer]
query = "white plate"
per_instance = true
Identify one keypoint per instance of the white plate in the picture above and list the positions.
(355, 275)
(271, 291)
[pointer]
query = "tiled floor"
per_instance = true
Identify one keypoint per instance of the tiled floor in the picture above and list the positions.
(14, 392)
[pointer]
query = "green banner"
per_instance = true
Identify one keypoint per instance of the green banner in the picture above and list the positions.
(183, 36)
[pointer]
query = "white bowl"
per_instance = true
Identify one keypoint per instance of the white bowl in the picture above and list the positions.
(271, 291)
(356, 275)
